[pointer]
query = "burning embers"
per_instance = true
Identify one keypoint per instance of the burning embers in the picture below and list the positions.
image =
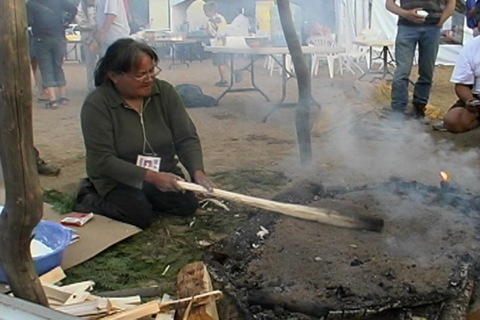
(315, 270)
(444, 183)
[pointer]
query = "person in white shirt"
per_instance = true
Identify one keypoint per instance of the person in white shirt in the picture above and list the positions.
(112, 22)
(195, 17)
(464, 114)
(87, 23)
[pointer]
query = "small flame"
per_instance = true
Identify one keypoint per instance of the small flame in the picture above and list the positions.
(444, 175)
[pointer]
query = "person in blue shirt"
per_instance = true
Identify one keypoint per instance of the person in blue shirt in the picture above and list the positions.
(473, 15)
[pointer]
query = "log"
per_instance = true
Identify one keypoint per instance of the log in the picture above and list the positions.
(194, 279)
(325, 216)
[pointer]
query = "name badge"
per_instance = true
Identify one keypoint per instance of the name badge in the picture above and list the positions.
(147, 162)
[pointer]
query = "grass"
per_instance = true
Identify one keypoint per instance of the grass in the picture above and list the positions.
(170, 242)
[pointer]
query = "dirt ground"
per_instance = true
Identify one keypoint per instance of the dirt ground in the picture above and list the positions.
(353, 144)
(234, 136)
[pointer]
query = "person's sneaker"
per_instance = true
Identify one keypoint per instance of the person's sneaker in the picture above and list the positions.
(63, 100)
(47, 169)
(439, 126)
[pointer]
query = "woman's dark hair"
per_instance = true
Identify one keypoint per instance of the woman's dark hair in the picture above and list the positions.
(123, 56)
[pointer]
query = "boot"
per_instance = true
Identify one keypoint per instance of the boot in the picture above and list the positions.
(44, 168)
(419, 113)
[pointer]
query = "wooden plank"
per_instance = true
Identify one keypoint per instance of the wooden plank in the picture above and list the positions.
(53, 276)
(168, 314)
(143, 310)
(192, 280)
(91, 308)
(78, 286)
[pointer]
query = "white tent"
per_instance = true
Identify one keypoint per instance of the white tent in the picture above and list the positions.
(353, 16)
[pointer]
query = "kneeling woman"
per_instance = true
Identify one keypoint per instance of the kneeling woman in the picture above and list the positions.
(135, 127)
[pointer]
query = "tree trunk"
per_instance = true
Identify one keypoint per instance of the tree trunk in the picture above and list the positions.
(302, 116)
(23, 205)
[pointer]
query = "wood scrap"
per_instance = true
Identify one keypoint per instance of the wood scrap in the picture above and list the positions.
(90, 308)
(165, 314)
(198, 300)
(53, 276)
(143, 310)
(78, 286)
(192, 280)
(144, 292)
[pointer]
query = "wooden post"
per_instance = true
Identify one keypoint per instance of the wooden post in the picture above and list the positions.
(302, 116)
(23, 206)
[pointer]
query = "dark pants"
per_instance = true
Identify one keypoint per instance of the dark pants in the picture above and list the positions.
(50, 53)
(135, 206)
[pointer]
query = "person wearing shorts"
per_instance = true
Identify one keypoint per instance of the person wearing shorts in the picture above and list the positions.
(216, 27)
(464, 115)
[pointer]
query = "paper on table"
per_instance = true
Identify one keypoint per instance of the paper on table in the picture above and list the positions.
(236, 42)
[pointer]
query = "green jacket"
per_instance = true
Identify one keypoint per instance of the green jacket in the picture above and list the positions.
(113, 136)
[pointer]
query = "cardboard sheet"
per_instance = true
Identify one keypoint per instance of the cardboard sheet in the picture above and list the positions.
(97, 235)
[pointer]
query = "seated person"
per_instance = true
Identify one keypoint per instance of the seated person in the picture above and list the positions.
(464, 114)
(130, 119)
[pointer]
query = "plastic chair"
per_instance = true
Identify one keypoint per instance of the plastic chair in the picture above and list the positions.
(317, 58)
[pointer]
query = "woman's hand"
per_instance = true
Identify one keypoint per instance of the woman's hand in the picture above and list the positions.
(200, 178)
(164, 181)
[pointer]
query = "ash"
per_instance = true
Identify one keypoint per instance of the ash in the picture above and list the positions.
(306, 270)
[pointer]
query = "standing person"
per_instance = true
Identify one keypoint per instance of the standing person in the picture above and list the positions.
(46, 17)
(112, 22)
(413, 30)
(136, 130)
(473, 15)
(40, 92)
(217, 28)
(87, 23)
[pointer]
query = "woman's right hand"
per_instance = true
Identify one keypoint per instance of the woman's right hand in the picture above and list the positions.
(164, 181)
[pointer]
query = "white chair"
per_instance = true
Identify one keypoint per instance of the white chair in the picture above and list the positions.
(329, 58)
(272, 65)
(352, 59)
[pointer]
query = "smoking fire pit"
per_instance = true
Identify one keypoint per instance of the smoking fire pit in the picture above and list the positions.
(276, 267)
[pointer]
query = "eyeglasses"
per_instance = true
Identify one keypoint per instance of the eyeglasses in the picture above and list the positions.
(147, 75)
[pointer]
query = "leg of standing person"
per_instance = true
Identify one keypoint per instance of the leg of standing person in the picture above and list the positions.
(405, 43)
(90, 63)
(43, 50)
(427, 55)
(58, 54)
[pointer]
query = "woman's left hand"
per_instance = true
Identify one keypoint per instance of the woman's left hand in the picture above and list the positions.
(199, 177)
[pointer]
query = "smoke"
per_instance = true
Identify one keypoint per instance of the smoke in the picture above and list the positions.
(366, 148)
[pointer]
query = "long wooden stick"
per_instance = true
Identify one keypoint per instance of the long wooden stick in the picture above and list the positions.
(325, 216)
